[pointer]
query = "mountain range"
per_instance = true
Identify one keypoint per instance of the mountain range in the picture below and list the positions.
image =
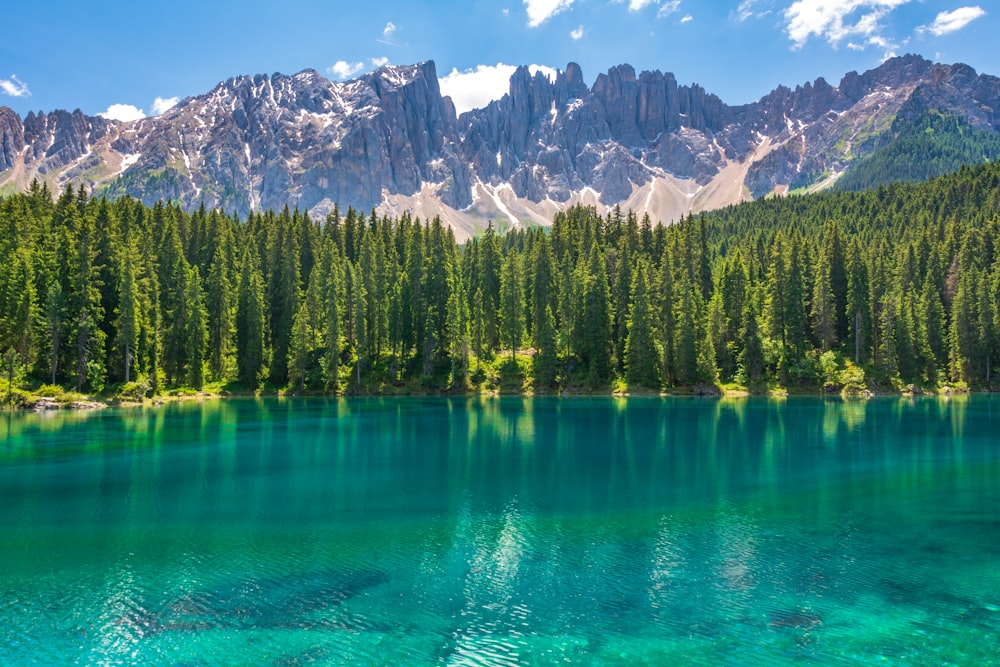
(390, 140)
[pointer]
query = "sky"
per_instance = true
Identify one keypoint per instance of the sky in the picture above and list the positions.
(127, 60)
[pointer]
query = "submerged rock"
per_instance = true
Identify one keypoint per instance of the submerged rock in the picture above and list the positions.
(797, 619)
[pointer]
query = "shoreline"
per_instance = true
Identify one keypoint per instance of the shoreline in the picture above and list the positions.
(84, 403)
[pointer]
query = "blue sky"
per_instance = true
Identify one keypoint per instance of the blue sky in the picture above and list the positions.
(133, 58)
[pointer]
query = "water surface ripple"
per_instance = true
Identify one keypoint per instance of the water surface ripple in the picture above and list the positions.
(425, 531)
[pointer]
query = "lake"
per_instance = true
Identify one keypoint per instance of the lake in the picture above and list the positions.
(421, 531)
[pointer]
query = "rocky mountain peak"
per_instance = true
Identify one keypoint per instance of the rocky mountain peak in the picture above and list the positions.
(390, 139)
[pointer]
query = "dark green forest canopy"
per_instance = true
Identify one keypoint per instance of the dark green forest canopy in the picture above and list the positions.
(894, 286)
(921, 145)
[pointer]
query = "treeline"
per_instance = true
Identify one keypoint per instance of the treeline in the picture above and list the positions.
(920, 148)
(896, 286)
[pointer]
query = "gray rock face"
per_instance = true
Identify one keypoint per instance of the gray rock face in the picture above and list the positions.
(55, 140)
(266, 141)
(11, 137)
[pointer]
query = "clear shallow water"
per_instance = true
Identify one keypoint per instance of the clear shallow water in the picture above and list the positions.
(501, 532)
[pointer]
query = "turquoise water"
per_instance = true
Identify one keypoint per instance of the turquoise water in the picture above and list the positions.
(500, 532)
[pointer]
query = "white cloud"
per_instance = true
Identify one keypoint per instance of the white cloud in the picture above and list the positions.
(162, 105)
(379, 62)
(474, 89)
(947, 22)
(836, 20)
(638, 5)
(578, 33)
(389, 35)
(687, 18)
(540, 11)
(124, 112)
(668, 8)
(748, 9)
(343, 69)
(14, 87)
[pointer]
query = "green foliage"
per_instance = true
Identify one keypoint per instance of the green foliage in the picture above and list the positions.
(930, 145)
(887, 288)
(135, 390)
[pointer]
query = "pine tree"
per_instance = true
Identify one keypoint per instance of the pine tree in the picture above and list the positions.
(932, 314)
(250, 350)
(857, 304)
(668, 325)
(458, 332)
(824, 306)
(835, 251)
(330, 289)
(752, 357)
(796, 300)
(284, 292)
(964, 332)
(128, 312)
(543, 290)
(220, 301)
(300, 347)
(595, 321)
(733, 291)
(20, 305)
(511, 305)
(54, 327)
(776, 285)
(357, 319)
(642, 353)
(621, 297)
(545, 361)
(490, 263)
(196, 334)
(478, 326)
(84, 307)
(686, 309)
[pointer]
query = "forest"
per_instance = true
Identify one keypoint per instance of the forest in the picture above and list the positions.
(891, 289)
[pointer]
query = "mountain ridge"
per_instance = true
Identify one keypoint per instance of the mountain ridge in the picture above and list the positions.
(390, 140)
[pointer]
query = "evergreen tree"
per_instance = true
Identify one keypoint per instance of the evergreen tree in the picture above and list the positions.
(54, 327)
(668, 326)
(84, 307)
(329, 285)
(459, 337)
(543, 290)
(752, 357)
(357, 319)
(932, 314)
(595, 321)
(621, 297)
(642, 354)
(250, 350)
(220, 302)
(300, 347)
(857, 304)
(129, 308)
(283, 289)
(545, 361)
(490, 262)
(478, 326)
(511, 305)
(824, 306)
(20, 315)
(686, 310)
(196, 334)
(733, 292)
